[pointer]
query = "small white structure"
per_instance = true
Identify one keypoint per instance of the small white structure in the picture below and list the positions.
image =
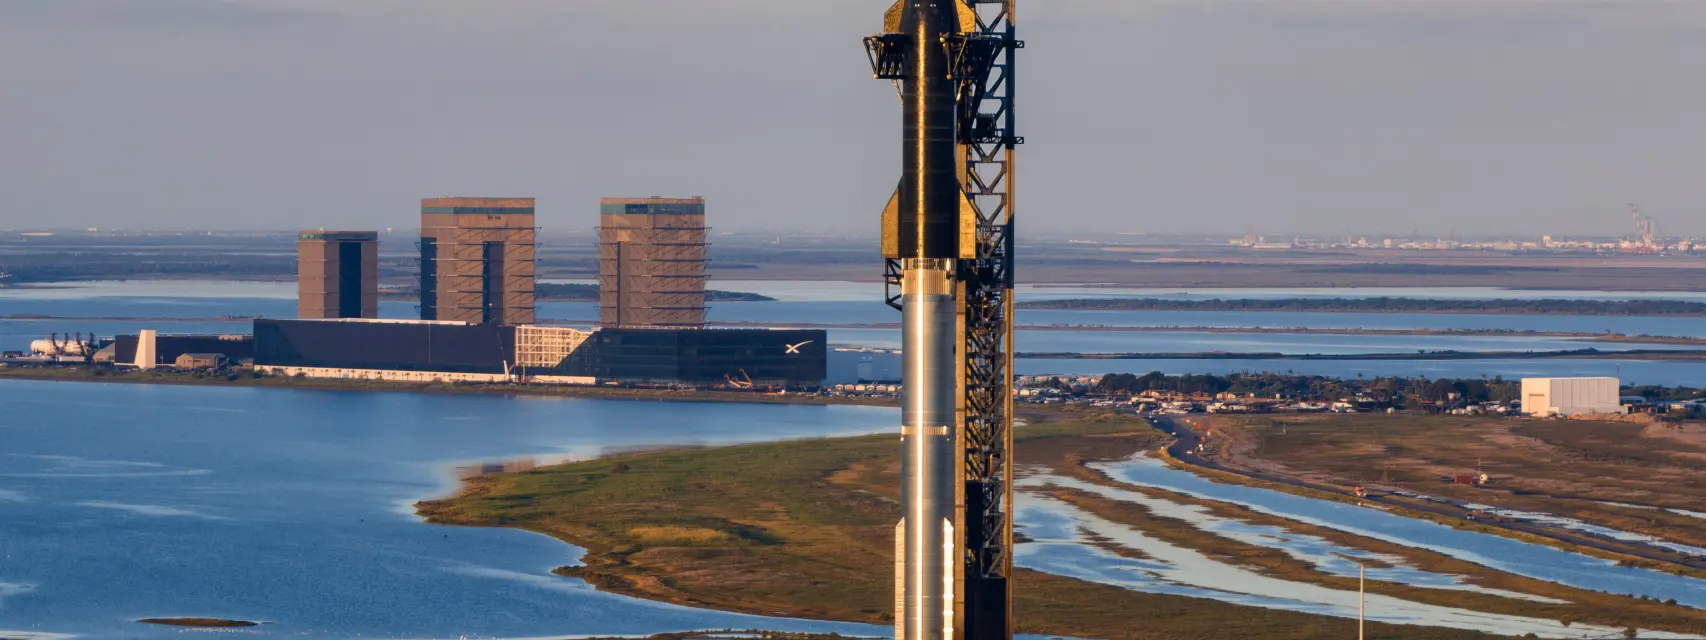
(145, 353)
(1570, 396)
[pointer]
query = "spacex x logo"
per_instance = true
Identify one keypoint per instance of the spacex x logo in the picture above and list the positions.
(795, 348)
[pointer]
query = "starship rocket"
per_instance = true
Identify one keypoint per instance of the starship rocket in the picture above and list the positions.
(923, 231)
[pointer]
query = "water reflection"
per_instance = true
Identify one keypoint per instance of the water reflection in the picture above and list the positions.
(1324, 555)
(1065, 542)
(120, 504)
(466, 471)
(1504, 554)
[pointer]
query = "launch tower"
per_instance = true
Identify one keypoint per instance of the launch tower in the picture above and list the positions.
(947, 242)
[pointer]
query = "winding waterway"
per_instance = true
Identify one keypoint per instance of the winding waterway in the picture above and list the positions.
(1062, 536)
(1504, 554)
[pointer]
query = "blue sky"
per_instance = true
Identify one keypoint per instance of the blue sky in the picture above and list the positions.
(1495, 116)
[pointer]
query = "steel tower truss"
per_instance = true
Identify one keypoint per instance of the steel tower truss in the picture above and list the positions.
(981, 58)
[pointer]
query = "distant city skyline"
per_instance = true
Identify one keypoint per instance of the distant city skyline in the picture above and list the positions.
(1162, 116)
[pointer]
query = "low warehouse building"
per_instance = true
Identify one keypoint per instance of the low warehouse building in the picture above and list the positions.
(163, 349)
(213, 361)
(1570, 396)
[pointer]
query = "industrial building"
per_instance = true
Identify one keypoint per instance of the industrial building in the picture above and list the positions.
(477, 260)
(400, 345)
(652, 259)
(423, 350)
(147, 349)
(337, 274)
(209, 361)
(1570, 396)
(477, 308)
(735, 357)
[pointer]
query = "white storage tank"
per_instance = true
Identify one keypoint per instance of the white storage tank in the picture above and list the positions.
(66, 347)
(1571, 396)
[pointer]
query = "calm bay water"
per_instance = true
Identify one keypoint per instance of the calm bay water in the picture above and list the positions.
(855, 303)
(125, 501)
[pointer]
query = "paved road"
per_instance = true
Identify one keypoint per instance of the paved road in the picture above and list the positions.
(1185, 442)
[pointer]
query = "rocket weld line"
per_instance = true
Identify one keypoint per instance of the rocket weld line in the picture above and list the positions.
(929, 431)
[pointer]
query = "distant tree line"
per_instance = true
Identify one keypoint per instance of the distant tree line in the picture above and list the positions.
(1661, 393)
(578, 293)
(590, 292)
(94, 266)
(1383, 389)
(1386, 305)
(1436, 390)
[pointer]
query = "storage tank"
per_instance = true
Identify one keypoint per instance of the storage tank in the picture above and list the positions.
(67, 347)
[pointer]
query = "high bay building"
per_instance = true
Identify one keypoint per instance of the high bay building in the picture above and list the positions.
(477, 260)
(337, 274)
(652, 259)
(477, 308)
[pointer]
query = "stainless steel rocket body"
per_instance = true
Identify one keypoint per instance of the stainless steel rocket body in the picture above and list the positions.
(928, 400)
(947, 246)
(930, 191)
(928, 249)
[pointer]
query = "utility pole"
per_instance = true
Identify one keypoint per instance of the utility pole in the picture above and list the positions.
(1361, 591)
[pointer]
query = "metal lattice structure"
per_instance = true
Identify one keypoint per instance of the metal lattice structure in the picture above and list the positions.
(546, 349)
(982, 65)
(981, 59)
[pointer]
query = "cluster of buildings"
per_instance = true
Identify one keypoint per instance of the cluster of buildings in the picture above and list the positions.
(478, 309)
(1543, 244)
(1539, 397)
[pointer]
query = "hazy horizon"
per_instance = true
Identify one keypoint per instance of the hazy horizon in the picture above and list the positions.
(1518, 117)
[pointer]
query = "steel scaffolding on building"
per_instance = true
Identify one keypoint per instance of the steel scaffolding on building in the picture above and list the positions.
(477, 260)
(652, 262)
(546, 348)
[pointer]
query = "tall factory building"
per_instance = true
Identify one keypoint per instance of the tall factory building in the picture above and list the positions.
(652, 263)
(337, 274)
(477, 258)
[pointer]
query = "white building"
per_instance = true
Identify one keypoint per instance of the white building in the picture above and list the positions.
(1570, 396)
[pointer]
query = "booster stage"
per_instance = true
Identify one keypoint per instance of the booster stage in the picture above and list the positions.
(948, 246)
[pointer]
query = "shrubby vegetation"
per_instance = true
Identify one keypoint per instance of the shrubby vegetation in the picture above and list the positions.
(580, 293)
(1394, 390)
(1300, 386)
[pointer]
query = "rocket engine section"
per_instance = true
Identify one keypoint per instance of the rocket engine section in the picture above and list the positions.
(951, 263)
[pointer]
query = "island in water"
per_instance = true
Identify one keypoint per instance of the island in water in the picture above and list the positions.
(556, 292)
